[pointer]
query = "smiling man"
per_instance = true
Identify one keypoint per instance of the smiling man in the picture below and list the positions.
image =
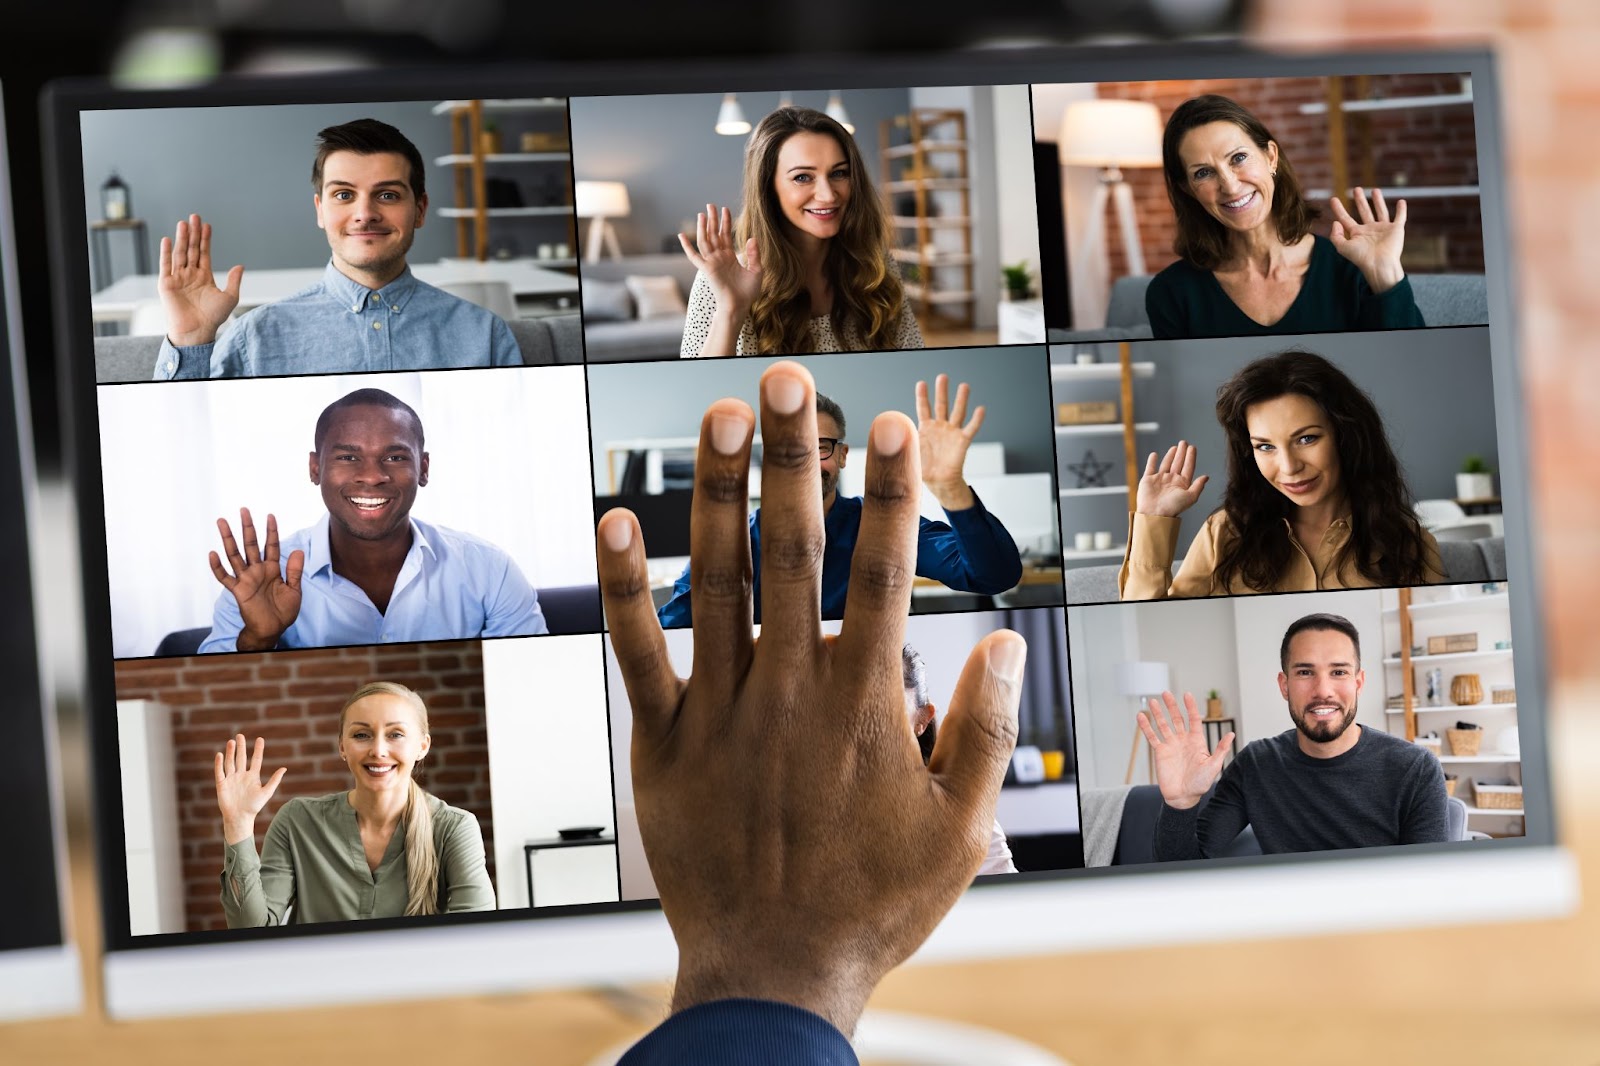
(367, 573)
(1328, 783)
(367, 313)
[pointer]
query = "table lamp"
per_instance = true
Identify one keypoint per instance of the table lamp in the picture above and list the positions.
(1141, 681)
(599, 201)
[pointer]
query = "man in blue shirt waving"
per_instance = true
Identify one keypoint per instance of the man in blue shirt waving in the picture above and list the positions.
(973, 553)
(368, 312)
(367, 573)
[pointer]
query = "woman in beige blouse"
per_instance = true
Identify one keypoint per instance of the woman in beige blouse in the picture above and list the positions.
(383, 849)
(1315, 498)
(815, 273)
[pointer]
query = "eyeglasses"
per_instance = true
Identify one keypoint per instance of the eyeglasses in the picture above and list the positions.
(825, 446)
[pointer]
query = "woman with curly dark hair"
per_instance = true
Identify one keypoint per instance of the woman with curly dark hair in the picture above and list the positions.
(1315, 500)
(807, 267)
(1248, 263)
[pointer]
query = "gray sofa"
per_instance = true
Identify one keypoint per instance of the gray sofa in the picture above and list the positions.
(1465, 562)
(1443, 299)
(553, 339)
(612, 332)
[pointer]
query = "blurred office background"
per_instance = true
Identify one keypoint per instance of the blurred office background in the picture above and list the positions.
(1516, 993)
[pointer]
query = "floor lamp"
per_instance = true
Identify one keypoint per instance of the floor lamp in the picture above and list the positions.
(599, 201)
(1140, 681)
(1111, 134)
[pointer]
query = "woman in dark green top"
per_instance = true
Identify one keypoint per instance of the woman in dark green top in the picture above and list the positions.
(383, 849)
(1248, 261)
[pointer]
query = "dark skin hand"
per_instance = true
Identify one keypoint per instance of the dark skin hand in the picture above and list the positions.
(800, 846)
(268, 594)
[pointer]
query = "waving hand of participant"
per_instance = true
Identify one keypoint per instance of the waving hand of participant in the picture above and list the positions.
(1372, 241)
(240, 793)
(945, 441)
(195, 307)
(1170, 487)
(268, 594)
(1185, 771)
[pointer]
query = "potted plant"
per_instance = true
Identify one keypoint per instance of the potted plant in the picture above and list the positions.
(1213, 705)
(1019, 281)
(1476, 480)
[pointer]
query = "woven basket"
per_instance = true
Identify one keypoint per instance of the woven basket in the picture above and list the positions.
(1433, 744)
(1450, 781)
(1464, 741)
(1497, 797)
(1465, 690)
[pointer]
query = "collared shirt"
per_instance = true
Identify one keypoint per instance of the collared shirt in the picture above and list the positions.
(313, 861)
(340, 326)
(1153, 539)
(974, 553)
(451, 586)
(735, 1032)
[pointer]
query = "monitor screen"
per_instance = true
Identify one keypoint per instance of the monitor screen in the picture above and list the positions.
(38, 965)
(357, 359)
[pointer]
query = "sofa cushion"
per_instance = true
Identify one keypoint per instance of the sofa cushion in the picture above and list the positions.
(656, 296)
(606, 301)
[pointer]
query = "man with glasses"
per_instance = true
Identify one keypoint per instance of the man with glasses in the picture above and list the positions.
(972, 553)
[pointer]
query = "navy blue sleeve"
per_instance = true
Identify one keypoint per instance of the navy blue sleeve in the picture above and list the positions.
(742, 1032)
(974, 553)
(675, 612)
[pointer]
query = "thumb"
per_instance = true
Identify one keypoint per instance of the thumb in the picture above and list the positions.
(752, 256)
(235, 275)
(980, 730)
(297, 563)
(1336, 234)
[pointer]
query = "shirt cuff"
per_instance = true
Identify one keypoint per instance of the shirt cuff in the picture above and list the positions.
(241, 860)
(185, 360)
(733, 1032)
(1147, 566)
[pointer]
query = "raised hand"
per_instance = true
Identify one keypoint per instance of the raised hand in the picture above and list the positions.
(1374, 242)
(823, 855)
(1170, 488)
(268, 594)
(240, 793)
(945, 441)
(1184, 769)
(195, 307)
(713, 252)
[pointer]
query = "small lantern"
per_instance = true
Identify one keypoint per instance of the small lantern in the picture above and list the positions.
(115, 203)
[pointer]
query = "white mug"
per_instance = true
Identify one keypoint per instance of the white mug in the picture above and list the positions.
(1082, 541)
(562, 251)
(1102, 540)
(1084, 358)
(547, 251)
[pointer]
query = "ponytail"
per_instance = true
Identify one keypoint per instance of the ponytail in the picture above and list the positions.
(422, 859)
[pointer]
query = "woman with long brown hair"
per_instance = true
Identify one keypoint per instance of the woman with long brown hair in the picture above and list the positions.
(1248, 262)
(1316, 498)
(384, 848)
(806, 266)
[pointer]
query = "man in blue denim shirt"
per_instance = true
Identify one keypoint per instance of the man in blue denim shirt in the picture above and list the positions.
(367, 573)
(973, 553)
(367, 313)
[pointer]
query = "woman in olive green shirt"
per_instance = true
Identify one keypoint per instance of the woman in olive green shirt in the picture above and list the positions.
(383, 849)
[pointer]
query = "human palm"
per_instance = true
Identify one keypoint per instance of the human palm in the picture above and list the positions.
(1372, 240)
(714, 252)
(1184, 769)
(268, 597)
(942, 436)
(1169, 488)
(241, 794)
(194, 306)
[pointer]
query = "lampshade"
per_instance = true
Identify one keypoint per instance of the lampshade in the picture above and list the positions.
(1110, 133)
(600, 199)
(835, 110)
(1142, 678)
(730, 117)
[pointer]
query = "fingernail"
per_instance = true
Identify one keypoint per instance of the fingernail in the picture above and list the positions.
(1007, 658)
(618, 534)
(785, 394)
(727, 433)
(888, 436)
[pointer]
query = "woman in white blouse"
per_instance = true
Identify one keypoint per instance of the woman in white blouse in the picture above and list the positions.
(815, 274)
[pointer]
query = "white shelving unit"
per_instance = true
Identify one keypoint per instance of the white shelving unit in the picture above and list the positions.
(1438, 611)
(1099, 507)
(470, 165)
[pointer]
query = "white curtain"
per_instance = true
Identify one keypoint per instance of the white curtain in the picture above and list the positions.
(508, 463)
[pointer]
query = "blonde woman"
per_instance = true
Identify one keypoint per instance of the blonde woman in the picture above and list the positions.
(383, 849)
(815, 273)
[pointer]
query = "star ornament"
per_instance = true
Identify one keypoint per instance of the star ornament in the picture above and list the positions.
(1091, 472)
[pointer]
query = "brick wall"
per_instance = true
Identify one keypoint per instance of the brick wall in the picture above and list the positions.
(1430, 146)
(1550, 89)
(292, 699)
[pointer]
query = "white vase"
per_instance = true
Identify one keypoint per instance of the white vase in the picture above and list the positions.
(1474, 486)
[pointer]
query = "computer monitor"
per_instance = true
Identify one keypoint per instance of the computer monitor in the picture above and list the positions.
(39, 967)
(536, 352)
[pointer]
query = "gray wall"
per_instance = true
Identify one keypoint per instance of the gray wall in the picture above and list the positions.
(674, 163)
(667, 399)
(1432, 386)
(247, 171)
